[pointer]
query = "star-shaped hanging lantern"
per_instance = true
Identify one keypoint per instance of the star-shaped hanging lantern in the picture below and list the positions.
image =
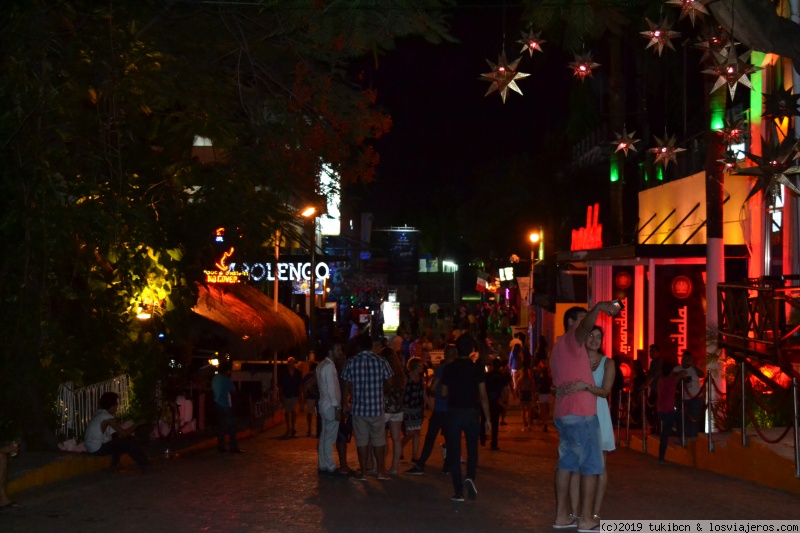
(715, 41)
(773, 168)
(531, 41)
(625, 141)
(666, 150)
(781, 104)
(732, 70)
(582, 66)
(503, 76)
(660, 34)
(732, 132)
(729, 160)
(693, 8)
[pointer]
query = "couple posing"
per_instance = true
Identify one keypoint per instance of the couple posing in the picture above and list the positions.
(580, 451)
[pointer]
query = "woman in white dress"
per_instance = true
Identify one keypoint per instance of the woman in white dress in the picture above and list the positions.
(603, 371)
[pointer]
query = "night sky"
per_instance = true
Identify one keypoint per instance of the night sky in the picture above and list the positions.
(446, 132)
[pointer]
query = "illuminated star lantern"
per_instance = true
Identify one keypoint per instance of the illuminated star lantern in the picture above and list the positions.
(659, 34)
(582, 66)
(715, 42)
(625, 142)
(773, 168)
(666, 150)
(781, 104)
(732, 70)
(729, 160)
(530, 41)
(503, 76)
(732, 132)
(693, 8)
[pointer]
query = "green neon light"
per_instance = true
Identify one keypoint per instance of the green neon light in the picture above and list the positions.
(717, 108)
(643, 171)
(614, 168)
(757, 81)
(660, 173)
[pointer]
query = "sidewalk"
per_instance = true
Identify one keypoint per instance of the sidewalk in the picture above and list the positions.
(765, 464)
(32, 469)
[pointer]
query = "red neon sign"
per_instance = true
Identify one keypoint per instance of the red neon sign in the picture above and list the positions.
(591, 236)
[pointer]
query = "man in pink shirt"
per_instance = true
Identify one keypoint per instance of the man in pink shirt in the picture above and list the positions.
(575, 416)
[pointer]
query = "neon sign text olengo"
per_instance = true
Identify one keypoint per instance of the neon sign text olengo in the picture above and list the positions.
(286, 271)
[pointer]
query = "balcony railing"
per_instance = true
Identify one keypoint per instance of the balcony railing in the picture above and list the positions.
(761, 318)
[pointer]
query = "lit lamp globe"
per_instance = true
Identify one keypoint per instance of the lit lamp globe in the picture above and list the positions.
(534, 237)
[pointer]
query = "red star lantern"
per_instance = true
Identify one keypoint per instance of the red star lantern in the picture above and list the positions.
(715, 42)
(729, 160)
(666, 150)
(530, 41)
(732, 70)
(693, 8)
(732, 132)
(625, 141)
(582, 66)
(660, 34)
(781, 103)
(503, 76)
(773, 168)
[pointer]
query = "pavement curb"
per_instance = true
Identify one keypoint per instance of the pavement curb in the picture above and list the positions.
(68, 465)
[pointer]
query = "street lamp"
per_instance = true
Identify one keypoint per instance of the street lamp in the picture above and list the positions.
(311, 213)
(275, 309)
(534, 238)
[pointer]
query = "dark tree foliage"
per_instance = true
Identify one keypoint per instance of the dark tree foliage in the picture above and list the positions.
(102, 206)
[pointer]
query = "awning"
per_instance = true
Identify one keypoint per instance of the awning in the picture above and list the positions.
(250, 317)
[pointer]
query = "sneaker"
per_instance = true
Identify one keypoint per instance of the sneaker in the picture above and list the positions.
(472, 492)
(415, 471)
(457, 498)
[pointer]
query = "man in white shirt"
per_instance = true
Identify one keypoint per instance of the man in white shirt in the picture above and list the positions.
(329, 408)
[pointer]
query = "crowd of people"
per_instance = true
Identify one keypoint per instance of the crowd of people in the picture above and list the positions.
(379, 392)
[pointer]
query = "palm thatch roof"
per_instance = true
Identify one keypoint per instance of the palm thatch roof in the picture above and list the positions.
(250, 319)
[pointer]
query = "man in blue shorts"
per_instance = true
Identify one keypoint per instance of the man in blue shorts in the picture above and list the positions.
(575, 417)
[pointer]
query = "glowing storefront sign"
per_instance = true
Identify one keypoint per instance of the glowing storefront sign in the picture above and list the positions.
(286, 271)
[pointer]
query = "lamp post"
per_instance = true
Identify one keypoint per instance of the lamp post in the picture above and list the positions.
(311, 214)
(275, 309)
(534, 238)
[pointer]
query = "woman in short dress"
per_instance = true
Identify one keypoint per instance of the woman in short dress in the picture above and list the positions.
(414, 405)
(393, 405)
(603, 371)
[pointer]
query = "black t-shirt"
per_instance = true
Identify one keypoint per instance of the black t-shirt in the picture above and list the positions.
(496, 381)
(289, 384)
(462, 378)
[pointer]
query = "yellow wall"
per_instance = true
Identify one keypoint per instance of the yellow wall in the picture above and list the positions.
(682, 195)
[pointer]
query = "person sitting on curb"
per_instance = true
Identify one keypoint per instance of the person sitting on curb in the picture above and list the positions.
(5, 451)
(105, 435)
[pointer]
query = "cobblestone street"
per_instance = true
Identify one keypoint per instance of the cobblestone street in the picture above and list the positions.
(275, 487)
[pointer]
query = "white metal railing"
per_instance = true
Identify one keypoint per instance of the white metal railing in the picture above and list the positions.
(75, 407)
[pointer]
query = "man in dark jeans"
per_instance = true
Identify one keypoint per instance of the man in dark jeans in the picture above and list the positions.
(463, 384)
(496, 381)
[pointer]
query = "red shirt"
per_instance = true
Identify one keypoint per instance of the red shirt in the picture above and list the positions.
(570, 362)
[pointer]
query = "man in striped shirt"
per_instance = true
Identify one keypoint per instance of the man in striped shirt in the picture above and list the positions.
(364, 377)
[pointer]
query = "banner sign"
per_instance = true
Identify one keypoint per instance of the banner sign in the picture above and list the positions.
(622, 324)
(680, 294)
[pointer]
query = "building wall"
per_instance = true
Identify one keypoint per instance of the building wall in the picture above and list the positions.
(683, 196)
